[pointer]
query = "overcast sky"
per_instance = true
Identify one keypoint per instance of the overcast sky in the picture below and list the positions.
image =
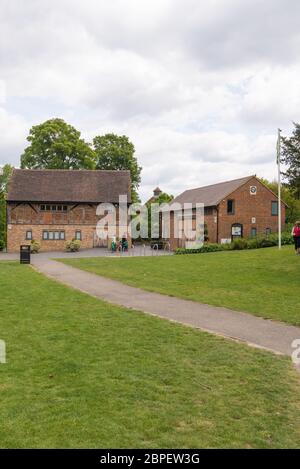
(199, 87)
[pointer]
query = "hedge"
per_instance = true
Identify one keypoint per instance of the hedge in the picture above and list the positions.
(240, 244)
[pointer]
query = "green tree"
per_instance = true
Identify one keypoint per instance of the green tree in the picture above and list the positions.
(163, 198)
(116, 152)
(5, 174)
(54, 144)
(290, 156)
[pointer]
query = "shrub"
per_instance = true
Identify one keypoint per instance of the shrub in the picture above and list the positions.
(34, 247)
(205, 248)
(211, 247)
(73, 246)
(252, 243)
(267, 242)
(239, 243)
(2, 244)
(287, 238)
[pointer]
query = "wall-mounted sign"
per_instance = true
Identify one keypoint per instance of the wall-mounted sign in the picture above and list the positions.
(236, 230)
(253, 220)
(253, 190)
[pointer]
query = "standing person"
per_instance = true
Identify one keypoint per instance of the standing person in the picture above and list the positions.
(296, 236)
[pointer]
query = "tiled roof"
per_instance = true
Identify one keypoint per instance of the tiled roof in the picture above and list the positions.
(50, 185)
(211, 195)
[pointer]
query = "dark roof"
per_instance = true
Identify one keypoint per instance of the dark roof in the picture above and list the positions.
(59, 185)
(211, 195)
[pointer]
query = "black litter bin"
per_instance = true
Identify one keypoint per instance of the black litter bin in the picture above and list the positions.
(25, 254)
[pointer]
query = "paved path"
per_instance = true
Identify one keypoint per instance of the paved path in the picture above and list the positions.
(137, 251)
(271, 335)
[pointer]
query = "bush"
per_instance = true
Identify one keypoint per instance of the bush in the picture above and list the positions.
(212, 247)
(2, 244)
(73, 246)
(264, 241)
(287, 238)
(34, 247)
(267, 242)
(252, 243)
(239, 243)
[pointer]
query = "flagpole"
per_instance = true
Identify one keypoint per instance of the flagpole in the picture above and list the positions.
(279, 189)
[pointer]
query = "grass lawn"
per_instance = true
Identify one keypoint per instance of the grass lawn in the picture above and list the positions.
(264, 282)
(82, 373)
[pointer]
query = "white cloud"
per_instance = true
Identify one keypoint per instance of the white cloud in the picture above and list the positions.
(199, 88)
(13, 130)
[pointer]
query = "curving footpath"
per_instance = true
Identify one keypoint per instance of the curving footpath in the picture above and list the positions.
(270, 335)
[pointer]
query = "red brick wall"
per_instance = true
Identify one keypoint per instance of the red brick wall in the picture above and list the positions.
(249, 206)
(16, 235)
(24, 217)
(211, 222)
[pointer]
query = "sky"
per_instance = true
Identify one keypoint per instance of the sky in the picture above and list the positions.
(200, 88)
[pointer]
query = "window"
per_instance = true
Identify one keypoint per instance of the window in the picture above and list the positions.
(54, 235)
(29, 235)
(274, 208)
(78, 235)
(53, 208)
(268, 231)
(253, 232)
(230, 207)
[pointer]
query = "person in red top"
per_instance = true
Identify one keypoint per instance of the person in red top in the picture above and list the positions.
(296, 236)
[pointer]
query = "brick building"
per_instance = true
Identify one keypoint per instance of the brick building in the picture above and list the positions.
(55, 206)
(240, 208)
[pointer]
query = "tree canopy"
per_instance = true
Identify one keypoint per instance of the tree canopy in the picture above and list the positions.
(116, 152)
(291, 158)
(54, 144)
(5, 174)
